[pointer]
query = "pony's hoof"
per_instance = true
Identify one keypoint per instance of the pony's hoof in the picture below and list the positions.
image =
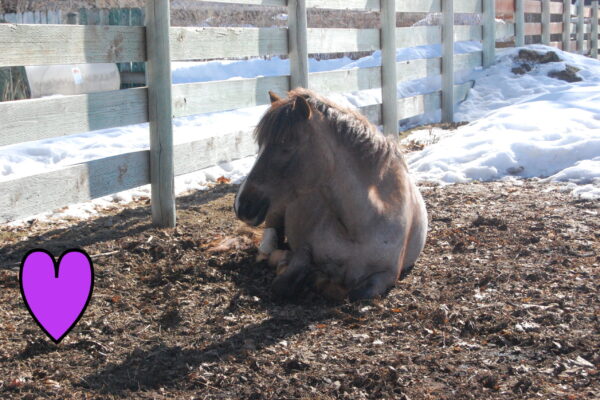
(260, 257)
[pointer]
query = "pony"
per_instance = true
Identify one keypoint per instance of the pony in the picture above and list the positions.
(336, 192)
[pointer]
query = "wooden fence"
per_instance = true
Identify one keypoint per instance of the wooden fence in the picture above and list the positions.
(132, 74)
(543, 21)
(157, 44)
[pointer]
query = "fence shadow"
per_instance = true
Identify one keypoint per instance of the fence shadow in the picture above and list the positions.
(164, 366)
(127, 222)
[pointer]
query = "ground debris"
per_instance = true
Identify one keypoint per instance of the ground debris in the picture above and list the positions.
(503, 304)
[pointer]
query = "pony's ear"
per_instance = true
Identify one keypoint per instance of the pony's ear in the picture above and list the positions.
(273, 97)
(302, 108)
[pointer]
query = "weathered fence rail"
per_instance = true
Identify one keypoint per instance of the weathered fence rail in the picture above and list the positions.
(28, 120)
(132, 73)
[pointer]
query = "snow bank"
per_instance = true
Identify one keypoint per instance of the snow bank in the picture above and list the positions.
(524, 126)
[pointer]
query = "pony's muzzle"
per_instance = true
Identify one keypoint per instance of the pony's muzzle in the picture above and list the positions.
(252, 208)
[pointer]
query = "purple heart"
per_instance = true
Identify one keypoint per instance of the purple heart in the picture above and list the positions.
(56, 294)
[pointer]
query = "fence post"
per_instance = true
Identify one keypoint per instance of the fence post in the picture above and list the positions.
(489, 32)
(580, 25)
(594, 45)
(566, 25)
(298, 43)
(160, 113)
(519, 23)
(448, 61)
(546, 22)
(389, 81)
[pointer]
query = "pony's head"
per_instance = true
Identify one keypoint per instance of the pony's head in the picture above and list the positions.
(294, 156)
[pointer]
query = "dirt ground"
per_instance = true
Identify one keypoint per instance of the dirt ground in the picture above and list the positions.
(503, 304)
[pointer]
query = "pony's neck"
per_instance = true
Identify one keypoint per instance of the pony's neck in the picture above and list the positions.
(347, 191)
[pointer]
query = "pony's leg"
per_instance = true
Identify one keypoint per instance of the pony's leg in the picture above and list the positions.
(267, 245)
(273, 236)
(292, 276)
(376, 285)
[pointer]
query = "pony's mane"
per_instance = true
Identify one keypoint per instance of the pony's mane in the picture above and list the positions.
(352, 129)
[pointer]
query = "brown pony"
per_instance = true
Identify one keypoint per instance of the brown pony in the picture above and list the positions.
(339, 191)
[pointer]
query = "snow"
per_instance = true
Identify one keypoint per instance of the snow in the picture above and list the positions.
(529, 126)
(520, 126)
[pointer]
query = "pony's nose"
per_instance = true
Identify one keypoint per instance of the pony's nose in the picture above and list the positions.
(252, 208)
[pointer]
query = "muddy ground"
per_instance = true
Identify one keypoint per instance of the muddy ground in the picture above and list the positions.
(503, 304)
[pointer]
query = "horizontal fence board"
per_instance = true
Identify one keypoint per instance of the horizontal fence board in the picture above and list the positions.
(363, 5)
(79, 183)
(556, 27)
(462, 91)
(468, 61)
(27, 120)
(70, 44)
(418, 69)
(204, 153)
(556, 7)
(418, 36)
(372, 112)
(532, 7)
(468, 33)
(468, 6)
(280, 3)
(418, 6)
(533, 28)
(558, 45)
(337, 40)
(409, 107)
(206, 97)
(504, 30)
(505, 9)
(346, 80)
(412, 106)
(535, 7)
(210, 43)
